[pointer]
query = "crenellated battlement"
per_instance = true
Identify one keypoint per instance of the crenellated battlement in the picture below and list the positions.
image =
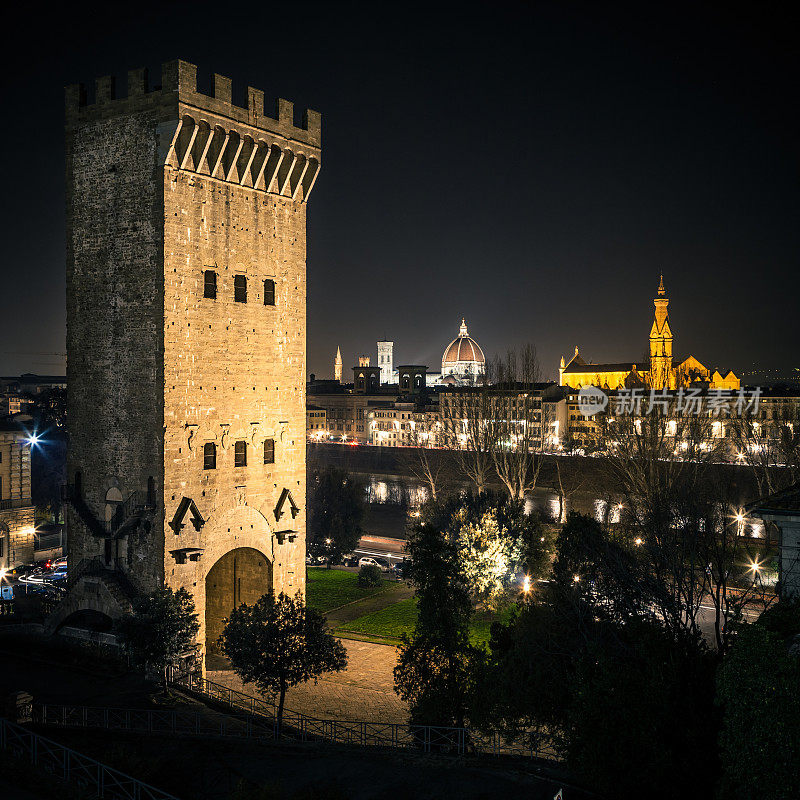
(179, 86)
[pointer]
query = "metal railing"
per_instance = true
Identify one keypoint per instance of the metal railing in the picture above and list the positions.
(301, 727)
(15, 503)
(51, 757)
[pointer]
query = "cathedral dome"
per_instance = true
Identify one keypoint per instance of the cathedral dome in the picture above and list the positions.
(463, 357)
(463, 348)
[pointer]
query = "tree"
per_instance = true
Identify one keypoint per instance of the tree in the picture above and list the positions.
(683, 512)
(494, 542)
(468, 431)
(335, 514)
(518, 419)
(161, 628)
(437, 665)
(588, 667)
(757, 690)
(279, 642)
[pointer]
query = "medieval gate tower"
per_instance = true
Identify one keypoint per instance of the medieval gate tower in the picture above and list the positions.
(186, 339)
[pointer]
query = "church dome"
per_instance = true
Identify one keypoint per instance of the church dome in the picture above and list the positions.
(463, 348)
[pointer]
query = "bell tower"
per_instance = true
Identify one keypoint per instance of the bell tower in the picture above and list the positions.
(661, 343)
(337, 365)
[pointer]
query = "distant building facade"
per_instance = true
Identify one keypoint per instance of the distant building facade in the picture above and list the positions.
(17, 513)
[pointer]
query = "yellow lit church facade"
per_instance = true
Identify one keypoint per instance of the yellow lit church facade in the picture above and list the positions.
(662, 371)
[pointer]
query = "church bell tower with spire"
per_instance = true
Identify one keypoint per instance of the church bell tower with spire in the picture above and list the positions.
(337, 366)
(661, 343)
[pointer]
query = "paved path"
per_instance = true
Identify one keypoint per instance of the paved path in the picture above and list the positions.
(364, 691)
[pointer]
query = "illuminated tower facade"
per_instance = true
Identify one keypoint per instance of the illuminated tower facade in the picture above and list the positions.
(186, 340)
(661, 374)
(337, 366)
(386, 360)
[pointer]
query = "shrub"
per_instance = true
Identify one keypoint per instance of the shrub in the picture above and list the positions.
(369, 576)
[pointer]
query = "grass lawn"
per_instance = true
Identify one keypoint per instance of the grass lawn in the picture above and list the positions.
(331, 588)
(390, 622)
(399, 618)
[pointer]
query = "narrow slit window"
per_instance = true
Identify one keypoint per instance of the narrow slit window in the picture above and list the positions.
(240, 454)
(240, 288)
(210, 284)
(209, 456)
(269, 292)
(269, 451)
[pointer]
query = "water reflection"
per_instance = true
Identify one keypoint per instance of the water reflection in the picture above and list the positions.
(395, 492)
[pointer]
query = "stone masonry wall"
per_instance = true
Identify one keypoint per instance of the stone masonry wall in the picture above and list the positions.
(233, 372)
(114, 321)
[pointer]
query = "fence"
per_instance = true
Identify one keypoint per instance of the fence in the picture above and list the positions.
(301, 727)
(93, 777)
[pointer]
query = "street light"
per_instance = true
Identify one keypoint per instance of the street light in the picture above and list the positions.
(526, 584)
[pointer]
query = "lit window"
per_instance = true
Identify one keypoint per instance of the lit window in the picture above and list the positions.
(269, 451)
(240, 288)
(209, 456)
(269, 292)
(210, 284)
(240, 454)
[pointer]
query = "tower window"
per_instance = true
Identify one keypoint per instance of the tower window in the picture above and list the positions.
(269, 451)
(240, 454)
(209, 455)
(240, 288)
(269, 292)
(210, 284)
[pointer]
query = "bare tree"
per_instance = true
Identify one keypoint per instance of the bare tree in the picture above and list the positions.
(425, 462)
(469, 431)
(767, 439)
(518, 417)
(679, 515)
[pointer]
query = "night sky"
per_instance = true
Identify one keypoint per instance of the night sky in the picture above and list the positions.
(530, 166)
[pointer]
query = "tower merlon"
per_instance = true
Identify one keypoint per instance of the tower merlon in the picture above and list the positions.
(179, 84)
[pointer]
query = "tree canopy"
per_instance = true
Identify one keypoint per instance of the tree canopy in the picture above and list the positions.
(162, 627)
(279, 642)
(336, 510)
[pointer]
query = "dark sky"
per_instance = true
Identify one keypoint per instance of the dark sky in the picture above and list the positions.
(531, 166)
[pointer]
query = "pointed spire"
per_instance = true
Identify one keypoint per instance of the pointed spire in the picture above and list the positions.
(576, 349)
(337, 365)
(661, 290)
(562, 362)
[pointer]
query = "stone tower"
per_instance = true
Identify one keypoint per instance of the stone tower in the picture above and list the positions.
(186, 339)
(661, 343)
(386, 360)
(337, 365)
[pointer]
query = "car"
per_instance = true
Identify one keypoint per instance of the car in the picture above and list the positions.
(369, 561)
(6, 592)
(58, 574)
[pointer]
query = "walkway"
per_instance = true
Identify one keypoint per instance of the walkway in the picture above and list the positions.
(364, 691)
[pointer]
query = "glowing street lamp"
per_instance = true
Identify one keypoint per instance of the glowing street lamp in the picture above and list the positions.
(526, 584)
(638, 541)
